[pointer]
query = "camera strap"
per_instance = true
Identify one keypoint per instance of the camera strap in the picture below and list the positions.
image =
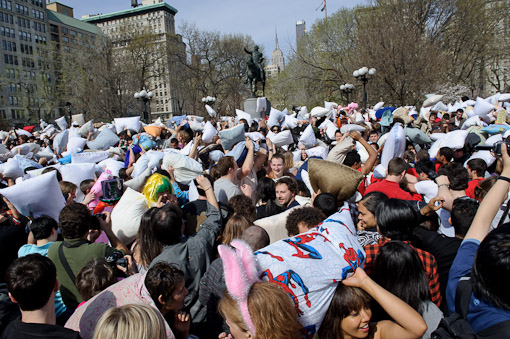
(63, 259)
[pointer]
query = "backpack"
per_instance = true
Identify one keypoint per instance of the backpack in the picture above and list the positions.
(456, 326)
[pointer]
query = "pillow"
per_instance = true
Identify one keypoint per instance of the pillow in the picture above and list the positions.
(330, 128)
(78, 118)
(302, 113)
(62, 123)
(505, 97)
(319, 112)
(475, 120)
(394, 146)
(275, 225)
(290, 121)
(211, 111)
(495, 129)
(23, 132)
(417, 136)
(144, 141)
(378, 106)
(40, 195)
(319, 151)
(104, 140)
(12, 169)
(243, 115)
(494, 138)
(308, 137)
(127, 215)
(454, 140)
(112, 165)
(76, 173)
(209, 132)
(437, 136)
(432, 100)
(154, 131)
(275, 118)
(439, 106)
(338, 180)
(352, 127)
(25, 163)
(483, 108)
(26, 148)
(60, 141)
(129, 123)
(86, 128)
(255, 136)
(310, 280)
(76, 144)
(230, 137)
(48, 132)
(261, 105)
(281, 139)
(185, 168)
(89, 157)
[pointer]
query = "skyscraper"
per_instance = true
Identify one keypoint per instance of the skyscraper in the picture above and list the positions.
(300, 30)
(277, 63)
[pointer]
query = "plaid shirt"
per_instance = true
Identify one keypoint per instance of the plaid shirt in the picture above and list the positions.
(428, 260)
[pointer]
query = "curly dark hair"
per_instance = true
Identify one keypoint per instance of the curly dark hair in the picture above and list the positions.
(74, 221)
(310, 216)
(243, 205)
(457, 175)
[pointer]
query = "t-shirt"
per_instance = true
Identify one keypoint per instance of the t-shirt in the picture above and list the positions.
(27, 249)
(427, 188)
(481, 315)
(20, 330)
(12, 237)
(225, 189)
(390, 188)
(470, 191)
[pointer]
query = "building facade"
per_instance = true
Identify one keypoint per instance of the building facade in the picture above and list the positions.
(156, 18)
(277, 63)
(300, 30)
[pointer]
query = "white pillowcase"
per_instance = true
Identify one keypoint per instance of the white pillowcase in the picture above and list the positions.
(76, 173)
(132, 123)
(127, 215)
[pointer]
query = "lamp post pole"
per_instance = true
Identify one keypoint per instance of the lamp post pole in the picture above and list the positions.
(68, 105)
(364, 74)
(347, 89)
(145, 97)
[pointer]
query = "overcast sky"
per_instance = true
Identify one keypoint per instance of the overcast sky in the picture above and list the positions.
(256, 18)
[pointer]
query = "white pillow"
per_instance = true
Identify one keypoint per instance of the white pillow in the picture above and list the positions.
(378, 105)
(290, 121)
(127, 215)
(78, 118)
(86, 128)
(302, 113)
(482, 108)
(281, 139)
(12, 169)
(209, 132)
(432, 100)
(129, 123)
(275, 118)
(440, 106)
(394, 145)
(40, 195)
(104, 140)
(351, 127)
(62, 123)
(89, 157)
(26, 148)
(261, 105)
(475, 120)
(112, 165)
(319, 112)
(76, 173)
(211, 111)
(23, 132)
(76, 144)
(454, 140)
(243, 115)
(319, 151)
(330, 105)
(308, 137)
(255, 136)
(185, 168)
(230, 137)
(437, 136)
(60, 141)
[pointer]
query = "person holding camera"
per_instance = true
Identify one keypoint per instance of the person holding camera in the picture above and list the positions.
(80, 230)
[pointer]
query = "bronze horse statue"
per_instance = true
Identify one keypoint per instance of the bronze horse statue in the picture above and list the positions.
(255, 71)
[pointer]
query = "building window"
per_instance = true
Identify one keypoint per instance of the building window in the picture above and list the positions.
(64, 30)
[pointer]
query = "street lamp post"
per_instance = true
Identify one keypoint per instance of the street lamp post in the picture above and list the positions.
(209, 100)
(68, 105)
(364, 74)
(145, 97)
(347, 89)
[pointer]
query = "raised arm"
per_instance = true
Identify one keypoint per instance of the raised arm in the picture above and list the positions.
(248, 162)
(372, 153)
(407, 322)
(492, 201)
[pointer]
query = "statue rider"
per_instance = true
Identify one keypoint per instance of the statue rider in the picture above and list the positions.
(258, 61)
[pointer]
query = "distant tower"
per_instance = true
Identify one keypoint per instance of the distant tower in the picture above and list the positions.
(277, 56)
(300, 30)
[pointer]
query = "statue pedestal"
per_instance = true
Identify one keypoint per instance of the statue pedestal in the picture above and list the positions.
(250, 106)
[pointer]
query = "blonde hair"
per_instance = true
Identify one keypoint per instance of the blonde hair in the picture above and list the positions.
(234, 228)
(288, 160)
(132, 321)
(271, 311)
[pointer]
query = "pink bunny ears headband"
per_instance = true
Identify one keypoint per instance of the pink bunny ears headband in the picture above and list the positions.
(241, 273)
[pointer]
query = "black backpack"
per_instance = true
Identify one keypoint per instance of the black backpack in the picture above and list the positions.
(456, 326)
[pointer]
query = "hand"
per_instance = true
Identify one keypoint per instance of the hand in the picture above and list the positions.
(93, 235)
(197, 138)
(182, 322)
(160, 202)
(358, 279)
(247, 190)
(434, 205)
(506, 160)
(224, 335)
(171, 171)
(203, 183)
(314, 195)
(131, 269)
(355, 135)
(91, 196)
(248, 144)
(106, 224)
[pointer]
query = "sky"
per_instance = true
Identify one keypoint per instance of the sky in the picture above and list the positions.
(257, 18)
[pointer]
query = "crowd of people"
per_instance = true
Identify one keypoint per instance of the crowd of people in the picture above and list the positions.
(337, 223)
